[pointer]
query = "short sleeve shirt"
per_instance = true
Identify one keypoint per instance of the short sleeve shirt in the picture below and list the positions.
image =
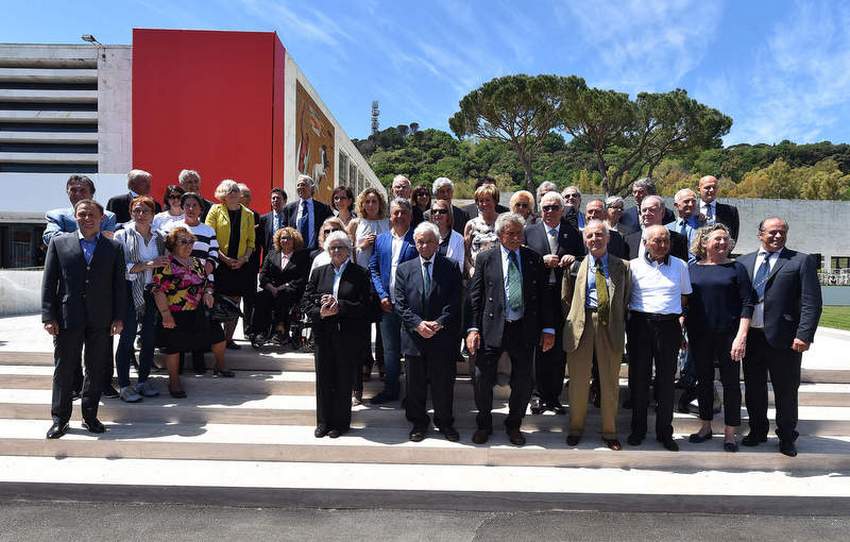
(658, 287)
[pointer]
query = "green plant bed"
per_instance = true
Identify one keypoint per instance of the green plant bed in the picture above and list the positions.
(836, 317)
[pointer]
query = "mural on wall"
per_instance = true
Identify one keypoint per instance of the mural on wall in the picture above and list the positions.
(315, 136)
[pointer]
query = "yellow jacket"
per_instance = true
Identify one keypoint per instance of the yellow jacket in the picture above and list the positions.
(219, 220)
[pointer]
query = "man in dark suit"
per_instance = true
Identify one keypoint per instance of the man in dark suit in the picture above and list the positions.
(190, 181)
(306, 215)
(471, 210)
(597, 210)
(559, 244)
(401, 188)
(651, 212)
(83, 298)
(271, 221)
(640, 189)
(428, 292)
(507, 315)
(139, 184)
(783, 326)
(572, 212)
(443, 189)
(713, 211)
(392, 248)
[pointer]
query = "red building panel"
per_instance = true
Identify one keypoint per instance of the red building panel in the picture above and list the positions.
(209, 101)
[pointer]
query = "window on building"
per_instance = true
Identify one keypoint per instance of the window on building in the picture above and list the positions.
(840, 262)
(352, 174)
(343, 168)
(20, 246)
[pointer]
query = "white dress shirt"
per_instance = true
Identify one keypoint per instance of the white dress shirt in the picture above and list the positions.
(338, 276)
(703, 209)
(397, 243)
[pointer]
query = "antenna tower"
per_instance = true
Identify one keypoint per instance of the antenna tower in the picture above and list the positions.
(376, 112)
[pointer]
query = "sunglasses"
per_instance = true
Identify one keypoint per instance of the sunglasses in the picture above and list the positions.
(521, 205)
(338, 198)
(439, 211)
(185, 242)
(550, 208)
(330, 230)
(571, 196)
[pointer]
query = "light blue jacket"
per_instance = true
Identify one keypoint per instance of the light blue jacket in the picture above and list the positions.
(63, 221)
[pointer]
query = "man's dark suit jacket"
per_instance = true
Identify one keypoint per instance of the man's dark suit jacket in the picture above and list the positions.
(617, 245)
(354, 302)
(459, 218)
(728, 216)
(266, 231)
(76, 294)
(487, 297)
(792, 298)
(678, 245)
(569, 242)
(631, 217)
(471, 210)
(321, 213)
(120, 205)
(443, 306)
(294, 275)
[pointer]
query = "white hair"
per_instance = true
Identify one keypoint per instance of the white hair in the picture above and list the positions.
(553, 195)
(401, 177)
(186, 174)
(225, 187)
(337, 236)
(652, 198)
(614, 200)
(426, 227)
(647, 184)
(595, 224)
(244, 188)
(572, 188)
(649, 231)
(440, 182)
(683, 193)
(309, 180)
(545, 186)
(508, 218)
(404, 203)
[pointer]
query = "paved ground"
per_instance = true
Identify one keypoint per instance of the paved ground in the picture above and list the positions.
(73, 521)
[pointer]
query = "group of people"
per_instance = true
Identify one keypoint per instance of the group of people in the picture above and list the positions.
(530, 293)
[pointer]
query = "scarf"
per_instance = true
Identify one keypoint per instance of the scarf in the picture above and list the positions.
(131, 245)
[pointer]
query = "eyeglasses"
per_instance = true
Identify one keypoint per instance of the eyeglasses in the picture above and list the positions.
(521, 205)
(339, 198)
(185, 242)
(142, 212)
(285, 238)
(550, 208)
(439, 211)
(571, 196)
(330, 230)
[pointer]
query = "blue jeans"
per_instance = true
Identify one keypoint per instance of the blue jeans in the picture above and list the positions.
(128, 335)
(391, 335)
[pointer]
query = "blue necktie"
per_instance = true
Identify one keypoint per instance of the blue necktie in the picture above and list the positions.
(760, 280)
(514, 282)
(278, 221)
(426, 276)
(304, 223)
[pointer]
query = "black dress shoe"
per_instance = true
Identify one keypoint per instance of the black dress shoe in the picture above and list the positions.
(417, 435)
(334, 433)
(557, 407)
(753, 440)
(634, 440)
(382, 398)
(223, 373)
(57, 430)
(573, 440)
(94, 426)
(320, 431)
(231, 345)
(730, 446)
(110, 392)
(450, 433)
(177, 394)
(696, 438)
(481, 436)
(669, 444)
(536, 406)
(612, 444)
(787, 447)
(516, 437)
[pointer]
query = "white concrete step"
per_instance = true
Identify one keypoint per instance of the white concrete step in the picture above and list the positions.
(297, 444)
(232, 408)
(447, 479)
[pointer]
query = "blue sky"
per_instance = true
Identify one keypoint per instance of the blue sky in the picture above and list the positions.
(781, 69)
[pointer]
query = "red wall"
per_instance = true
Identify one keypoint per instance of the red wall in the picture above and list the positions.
(210, 101)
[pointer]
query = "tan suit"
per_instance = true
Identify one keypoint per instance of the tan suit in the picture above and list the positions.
(583, 335)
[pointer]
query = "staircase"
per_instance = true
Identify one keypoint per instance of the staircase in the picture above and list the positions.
(255, 431)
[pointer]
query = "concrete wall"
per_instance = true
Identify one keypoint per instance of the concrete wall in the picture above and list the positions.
(114, 111)
(20, 292)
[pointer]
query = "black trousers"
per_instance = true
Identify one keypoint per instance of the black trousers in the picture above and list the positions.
(269, 309)
(438, 368)
(551, 366)
(708, 346)
(334, 378)
(783, 364)
(653, 341)
(68, 358)
(522, 379)
(107, 372)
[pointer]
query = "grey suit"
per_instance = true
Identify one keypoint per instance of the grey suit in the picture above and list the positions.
(84, 299)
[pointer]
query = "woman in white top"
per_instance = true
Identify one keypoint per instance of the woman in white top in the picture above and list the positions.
(144, 251)
(320, 256)
(451, 242)
(173, 210)
(370, 222)
(342, 201)
(480, 232)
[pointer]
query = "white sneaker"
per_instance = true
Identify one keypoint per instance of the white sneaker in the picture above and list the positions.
(129, 395)
(147, 389)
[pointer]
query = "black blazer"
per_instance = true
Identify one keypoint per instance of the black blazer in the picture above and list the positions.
(678, 245)
(617, 245)
(120, 205)
(459, 218)
(294, 275)
(487, 297)
(792, 297)
(443, 305)
(353, 297)
(321, 211)
(728, 215)
(631, 218)
(265, 233)
(569, 242)
(75, 294)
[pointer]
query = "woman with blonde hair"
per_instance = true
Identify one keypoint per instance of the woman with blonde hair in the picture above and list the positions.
(522, 203)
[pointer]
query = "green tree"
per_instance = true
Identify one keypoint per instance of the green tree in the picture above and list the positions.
(519, 110)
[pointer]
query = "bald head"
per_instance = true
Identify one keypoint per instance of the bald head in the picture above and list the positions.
(708, 187)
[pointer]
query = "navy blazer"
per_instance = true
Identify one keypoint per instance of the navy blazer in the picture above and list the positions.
(569, 242)
(631, 218)
(266, 231)
(321, 213)
(792, 297)
(443, 305)
(487, 297)
(728, 215)
(76, 294)
(380, 263)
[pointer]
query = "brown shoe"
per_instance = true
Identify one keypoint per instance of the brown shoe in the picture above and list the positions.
(481, 436)
(612, 443)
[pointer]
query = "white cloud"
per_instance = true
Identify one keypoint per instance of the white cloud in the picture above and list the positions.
(801, 80)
